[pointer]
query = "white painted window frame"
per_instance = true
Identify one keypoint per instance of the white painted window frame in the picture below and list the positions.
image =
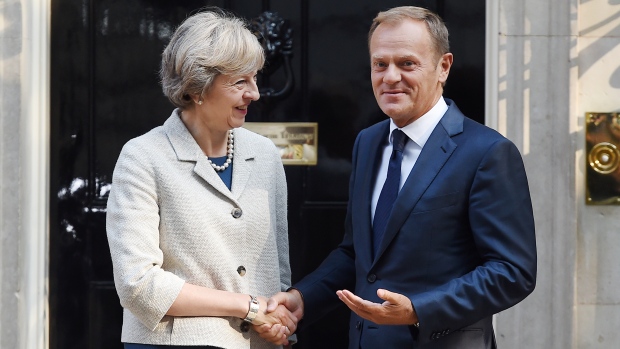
(33, 310)
(491, 74)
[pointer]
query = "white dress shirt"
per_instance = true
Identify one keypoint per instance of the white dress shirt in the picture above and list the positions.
(418, 132)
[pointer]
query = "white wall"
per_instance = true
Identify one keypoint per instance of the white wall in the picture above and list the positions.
(24, 172)
(10, 109)
(598, 256)
(535, 91)
(555, 61)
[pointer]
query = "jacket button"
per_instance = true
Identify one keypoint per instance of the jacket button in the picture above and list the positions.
(241, 270)
(372, 278)
(244, 327)
(236, 212)
(358, 325)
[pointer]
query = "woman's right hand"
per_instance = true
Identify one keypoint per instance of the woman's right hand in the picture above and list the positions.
(281, 315)
(281, 322)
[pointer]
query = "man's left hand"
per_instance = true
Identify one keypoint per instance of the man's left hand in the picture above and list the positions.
(396, 310)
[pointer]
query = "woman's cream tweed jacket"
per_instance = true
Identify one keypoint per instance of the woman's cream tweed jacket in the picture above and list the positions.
(170, 221)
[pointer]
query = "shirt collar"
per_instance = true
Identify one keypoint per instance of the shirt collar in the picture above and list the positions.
(420, 130)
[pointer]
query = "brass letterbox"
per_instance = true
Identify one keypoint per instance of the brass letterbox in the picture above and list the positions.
(602, 158)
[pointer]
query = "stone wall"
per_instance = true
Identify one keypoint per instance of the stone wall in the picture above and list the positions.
(10, 111)
(597, 299)
(535, 108)
(557, 60)
(24, 172)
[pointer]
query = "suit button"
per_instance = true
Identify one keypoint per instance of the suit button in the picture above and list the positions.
(358, 325)
(372, 278)
(241, 270)
(245, 326)
(236, 212)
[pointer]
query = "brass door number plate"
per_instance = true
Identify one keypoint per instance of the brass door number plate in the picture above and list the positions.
(297, 142)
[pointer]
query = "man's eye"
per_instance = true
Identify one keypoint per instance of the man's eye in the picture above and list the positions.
(408, 63)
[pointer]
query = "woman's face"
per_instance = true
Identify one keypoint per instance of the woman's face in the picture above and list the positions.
(225, 104)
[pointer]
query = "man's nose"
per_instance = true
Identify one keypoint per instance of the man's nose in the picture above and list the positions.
(392, 75)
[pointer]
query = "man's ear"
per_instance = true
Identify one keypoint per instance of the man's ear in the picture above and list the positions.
(444, 65)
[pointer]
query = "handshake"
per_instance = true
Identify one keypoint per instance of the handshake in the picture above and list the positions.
(279, 319)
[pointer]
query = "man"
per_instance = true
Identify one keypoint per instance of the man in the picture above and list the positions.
(453, 243)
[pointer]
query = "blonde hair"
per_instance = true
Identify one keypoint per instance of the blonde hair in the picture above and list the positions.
(204, 46)
(435, 25)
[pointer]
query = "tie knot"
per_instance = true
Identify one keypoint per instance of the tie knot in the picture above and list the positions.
(399, 139)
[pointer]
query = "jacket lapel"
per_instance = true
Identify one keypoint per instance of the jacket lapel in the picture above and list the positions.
(187, 149)
(243, 162)
(437, 150)
(368, 157)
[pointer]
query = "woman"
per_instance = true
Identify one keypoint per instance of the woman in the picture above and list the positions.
(196, 218)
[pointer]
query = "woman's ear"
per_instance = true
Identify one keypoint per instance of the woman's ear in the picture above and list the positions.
(196, 98)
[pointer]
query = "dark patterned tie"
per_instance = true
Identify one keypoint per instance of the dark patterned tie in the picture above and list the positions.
(390, 189)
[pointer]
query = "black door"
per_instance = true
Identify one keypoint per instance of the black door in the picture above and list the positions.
(105, 57)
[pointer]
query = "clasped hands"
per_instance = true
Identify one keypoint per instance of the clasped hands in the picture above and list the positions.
(280, 317)
(396, 309)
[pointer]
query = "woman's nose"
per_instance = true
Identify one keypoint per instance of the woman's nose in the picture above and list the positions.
(252, 92)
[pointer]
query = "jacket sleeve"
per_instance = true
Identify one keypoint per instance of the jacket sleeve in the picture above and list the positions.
(502, 227)
(132, 225)
(281, 209)
(336, 272)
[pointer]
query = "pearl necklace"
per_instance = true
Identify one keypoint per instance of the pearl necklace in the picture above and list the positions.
(230, 151)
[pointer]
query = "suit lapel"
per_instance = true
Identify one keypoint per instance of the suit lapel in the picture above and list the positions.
(368, 158)
(436, 152)
(243, 162)
(187, 149)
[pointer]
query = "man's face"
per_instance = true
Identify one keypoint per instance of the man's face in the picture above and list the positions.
(406, 73)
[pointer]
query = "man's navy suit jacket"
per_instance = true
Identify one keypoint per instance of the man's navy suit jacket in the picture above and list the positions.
(459, 243)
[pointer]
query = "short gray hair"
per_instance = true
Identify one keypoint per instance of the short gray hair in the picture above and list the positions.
(204, 46)
(434, 24)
